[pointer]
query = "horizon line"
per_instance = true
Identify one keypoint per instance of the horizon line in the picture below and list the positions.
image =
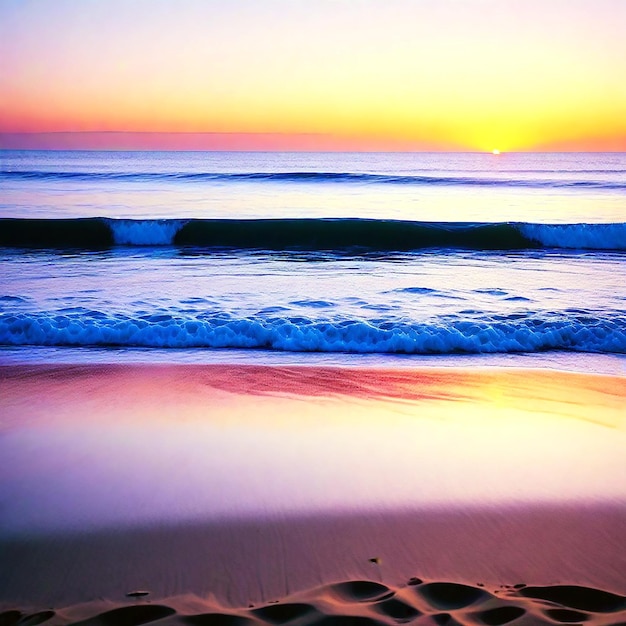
(235, 141)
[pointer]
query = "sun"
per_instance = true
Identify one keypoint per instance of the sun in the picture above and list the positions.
(495, 151)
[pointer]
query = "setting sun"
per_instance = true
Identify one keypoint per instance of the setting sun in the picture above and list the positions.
(313, 76)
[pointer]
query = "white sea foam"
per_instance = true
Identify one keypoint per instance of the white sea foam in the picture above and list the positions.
(577, 236)
(145, 232)
(301, 335)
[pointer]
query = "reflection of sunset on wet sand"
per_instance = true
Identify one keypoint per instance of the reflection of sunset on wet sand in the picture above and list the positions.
(232, 440)
(171, 454)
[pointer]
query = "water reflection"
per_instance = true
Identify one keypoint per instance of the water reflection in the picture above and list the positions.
(108, 446)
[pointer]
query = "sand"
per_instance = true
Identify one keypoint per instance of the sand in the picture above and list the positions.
(237, 495)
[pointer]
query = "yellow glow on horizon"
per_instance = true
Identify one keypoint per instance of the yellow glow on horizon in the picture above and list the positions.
(434, 73)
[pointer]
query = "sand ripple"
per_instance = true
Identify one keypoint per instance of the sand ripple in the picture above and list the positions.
(361, 603)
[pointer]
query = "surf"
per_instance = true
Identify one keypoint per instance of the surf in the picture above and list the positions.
(332, 234)
(508, 334)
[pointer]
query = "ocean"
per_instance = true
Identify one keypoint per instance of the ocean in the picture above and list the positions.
(459, 258)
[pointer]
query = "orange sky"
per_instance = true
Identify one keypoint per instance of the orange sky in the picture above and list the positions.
(316, 75)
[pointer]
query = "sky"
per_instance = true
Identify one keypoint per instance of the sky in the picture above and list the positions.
(314, 74)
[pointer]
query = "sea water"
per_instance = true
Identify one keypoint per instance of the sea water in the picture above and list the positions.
(284, 257)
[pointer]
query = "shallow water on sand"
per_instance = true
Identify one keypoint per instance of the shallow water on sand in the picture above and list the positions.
(113, 446)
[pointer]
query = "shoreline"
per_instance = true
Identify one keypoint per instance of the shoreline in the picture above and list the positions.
(594, 363)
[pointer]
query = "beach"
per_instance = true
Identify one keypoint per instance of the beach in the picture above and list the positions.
(312, 313)
(300, 494)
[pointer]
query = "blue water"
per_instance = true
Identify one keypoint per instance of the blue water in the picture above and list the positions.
(366, 256)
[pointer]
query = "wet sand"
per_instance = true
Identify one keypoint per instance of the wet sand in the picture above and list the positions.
(306, 495)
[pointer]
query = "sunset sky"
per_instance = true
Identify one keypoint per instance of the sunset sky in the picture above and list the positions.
(314, 74)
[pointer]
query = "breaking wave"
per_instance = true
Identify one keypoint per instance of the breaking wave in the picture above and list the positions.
(307, 234)
(528, 333)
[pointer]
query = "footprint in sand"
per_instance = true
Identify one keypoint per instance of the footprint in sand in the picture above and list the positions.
(17, 618)
(451, 596)
(129, 616)
(396, 609)
(283, 613)
(500, 615)
(361, 591)
(581, 598)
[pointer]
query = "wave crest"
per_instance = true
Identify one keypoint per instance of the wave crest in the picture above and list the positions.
(308, 234)
(325, 177)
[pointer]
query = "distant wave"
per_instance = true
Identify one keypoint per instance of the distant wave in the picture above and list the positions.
(325, 177)
(329, 234)
(528, 333)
